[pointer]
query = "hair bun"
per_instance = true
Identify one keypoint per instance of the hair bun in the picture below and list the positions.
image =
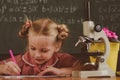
(24, 30)
(63, 31)
(63, 35)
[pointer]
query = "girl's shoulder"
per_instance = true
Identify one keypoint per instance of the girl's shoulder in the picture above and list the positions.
(63, 54)
(65, 59)
(19, 60)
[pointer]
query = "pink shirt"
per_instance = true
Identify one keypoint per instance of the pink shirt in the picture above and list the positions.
(27, 66)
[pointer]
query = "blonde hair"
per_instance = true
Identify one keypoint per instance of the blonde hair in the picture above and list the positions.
(45, 27)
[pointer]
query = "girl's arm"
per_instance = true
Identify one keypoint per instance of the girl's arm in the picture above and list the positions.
(61, 71)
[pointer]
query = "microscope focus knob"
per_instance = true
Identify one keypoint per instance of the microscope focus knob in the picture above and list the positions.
(98, 28)
(102, 59)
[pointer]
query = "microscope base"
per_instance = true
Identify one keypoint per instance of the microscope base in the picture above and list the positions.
(92, 74)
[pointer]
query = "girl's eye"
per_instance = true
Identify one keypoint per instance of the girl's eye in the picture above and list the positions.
(44, 50)
(32, 48)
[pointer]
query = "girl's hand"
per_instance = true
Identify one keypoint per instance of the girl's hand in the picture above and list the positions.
(51, 69)
(10, 68)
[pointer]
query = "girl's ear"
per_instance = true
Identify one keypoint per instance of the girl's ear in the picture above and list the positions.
(58, 46)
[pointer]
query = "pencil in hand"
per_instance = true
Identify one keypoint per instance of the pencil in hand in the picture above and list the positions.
(12, 56)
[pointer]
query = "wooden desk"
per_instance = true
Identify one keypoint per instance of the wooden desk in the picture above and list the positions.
(67, 78)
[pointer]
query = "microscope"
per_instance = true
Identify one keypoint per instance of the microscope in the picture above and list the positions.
(94, 33)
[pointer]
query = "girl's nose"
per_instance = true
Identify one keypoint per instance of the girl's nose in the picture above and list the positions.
(38, 55)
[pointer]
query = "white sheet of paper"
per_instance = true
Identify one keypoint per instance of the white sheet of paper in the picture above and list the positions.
(33, 76)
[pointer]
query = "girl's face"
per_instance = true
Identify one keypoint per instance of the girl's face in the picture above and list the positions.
(41, 48)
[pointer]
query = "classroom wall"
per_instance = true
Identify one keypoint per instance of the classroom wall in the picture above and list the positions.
(70, 12)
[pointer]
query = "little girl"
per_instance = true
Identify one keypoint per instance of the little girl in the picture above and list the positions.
(42, 56)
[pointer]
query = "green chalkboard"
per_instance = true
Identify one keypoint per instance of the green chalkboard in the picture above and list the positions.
(70, 12)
